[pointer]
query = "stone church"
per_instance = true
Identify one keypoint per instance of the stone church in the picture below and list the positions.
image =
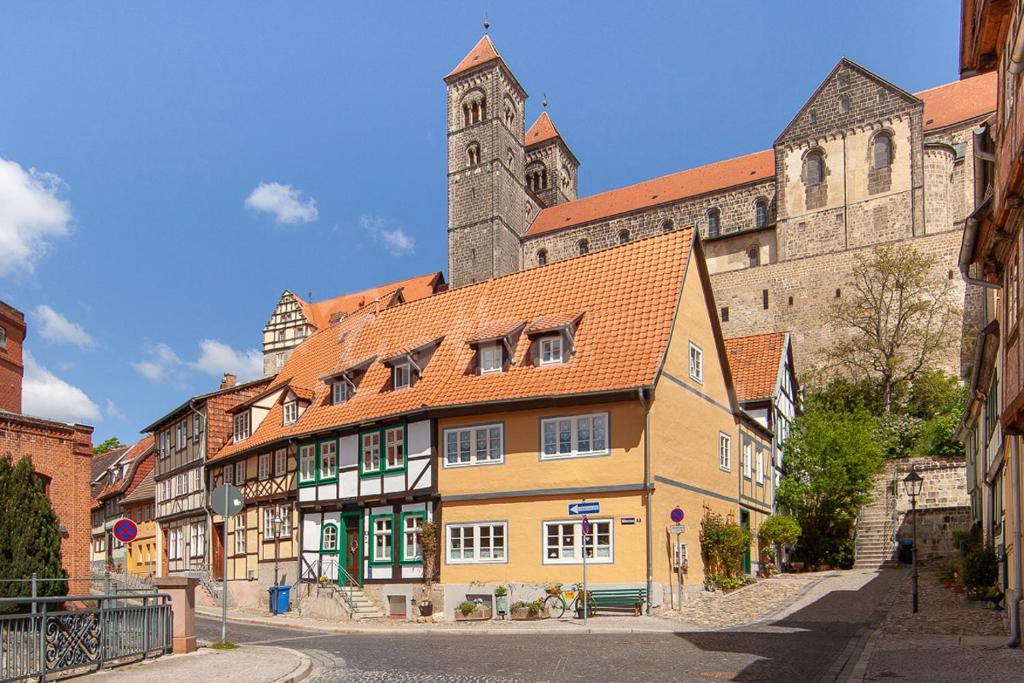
(863, 162)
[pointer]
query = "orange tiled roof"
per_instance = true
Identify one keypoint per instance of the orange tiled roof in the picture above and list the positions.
(943, 106)
(552, 321)
(669, 188)
(146, 490)
(542, 130)
(754, 362)
(319, 313)
(495, 330)
(483, 52)
(135, 458)
(958, 101)
(629, 293)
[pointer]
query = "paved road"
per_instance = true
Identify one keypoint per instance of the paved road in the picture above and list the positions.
(800, 647)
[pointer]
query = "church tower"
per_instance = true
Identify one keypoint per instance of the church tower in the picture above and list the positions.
(551, 167)
(489, 207)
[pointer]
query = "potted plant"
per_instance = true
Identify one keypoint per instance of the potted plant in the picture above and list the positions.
(529, 611)
(501, 600)
(428, 542)
(472, 610)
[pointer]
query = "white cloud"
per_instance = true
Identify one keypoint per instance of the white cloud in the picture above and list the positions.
(285, 202)
(31, 215)
(395, 240)
(46, 395)
(56, 328)
(216, 358)
(114, 411)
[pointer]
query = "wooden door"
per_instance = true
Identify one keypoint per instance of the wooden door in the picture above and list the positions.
(217, 557)
(353, 550)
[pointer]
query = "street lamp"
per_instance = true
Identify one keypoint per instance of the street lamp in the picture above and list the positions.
(275, 529)
(912, 484)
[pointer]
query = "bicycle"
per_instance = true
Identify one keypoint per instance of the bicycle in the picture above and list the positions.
(557, 603)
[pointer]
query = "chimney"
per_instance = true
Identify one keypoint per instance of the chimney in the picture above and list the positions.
(228, 381)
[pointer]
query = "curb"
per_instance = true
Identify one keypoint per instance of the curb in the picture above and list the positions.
(301, 672)
(851, 666)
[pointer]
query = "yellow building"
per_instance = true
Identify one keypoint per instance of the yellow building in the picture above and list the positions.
(141, 554)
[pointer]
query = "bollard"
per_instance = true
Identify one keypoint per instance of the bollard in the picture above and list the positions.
(182, 590)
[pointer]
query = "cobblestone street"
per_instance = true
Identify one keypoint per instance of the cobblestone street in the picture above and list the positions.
(753, 603)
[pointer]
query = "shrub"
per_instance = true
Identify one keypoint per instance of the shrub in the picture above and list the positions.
(722, 544)
(501, 591)
(467, 607)
(981, 568)
(535, 607)
(779, 530)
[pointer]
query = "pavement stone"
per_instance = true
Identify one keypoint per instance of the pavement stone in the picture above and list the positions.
(749, 604)
(247, 664)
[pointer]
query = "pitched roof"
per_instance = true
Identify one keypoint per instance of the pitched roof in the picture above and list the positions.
(483, 52)
(146, 490)
(542, 130)
(629, 293)
(135, 459)
(669, 188)
(943, 106)
(958, 101)
(320, 313)
(99, 463)
(755, 362)
(245, 386)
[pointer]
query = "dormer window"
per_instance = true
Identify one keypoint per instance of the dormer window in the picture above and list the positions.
(401, 375)
(243, 426)
(551, 350)
(291, 412)
(339, 392)
(491, 358)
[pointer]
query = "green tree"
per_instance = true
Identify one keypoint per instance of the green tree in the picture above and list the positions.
(108, 445)
(29, 532)
(831, 458)
(897, 320)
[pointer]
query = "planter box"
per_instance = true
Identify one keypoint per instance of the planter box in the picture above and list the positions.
(523, 614)
(479, 614)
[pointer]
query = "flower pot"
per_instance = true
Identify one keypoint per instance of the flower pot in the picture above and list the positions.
(523, 614)
(426, 609)
(481, 613)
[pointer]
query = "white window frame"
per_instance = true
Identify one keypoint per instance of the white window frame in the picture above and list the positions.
(389, 533)
(331, 446)
(748, 456)
(401, 375)
(476, 535)
(227, 474)
(197, 539)
(263, 466)
(323, 535)
(290, 411)
(492, 358)
(551, 350)
(174, 543)
(280, 462)
(240, 473)
(239, 522)
(574, 435)
(304, 450)
(396, 448)
(696, 363)
(759, 464)
(724, 452)
(375, 443)
(339, 392)
(466, 440)
(242, 426)
(278, 360)
(411, 537)
(182, 436)
(285, 513)
(577, 541)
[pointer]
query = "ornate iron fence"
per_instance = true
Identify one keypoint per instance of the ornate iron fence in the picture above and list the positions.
(55, 638)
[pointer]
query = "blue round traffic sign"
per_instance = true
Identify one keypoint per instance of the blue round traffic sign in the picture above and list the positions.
(126, 530)
(677, 515)
(586, 525)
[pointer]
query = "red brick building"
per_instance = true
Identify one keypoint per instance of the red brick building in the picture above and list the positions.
(61, 453)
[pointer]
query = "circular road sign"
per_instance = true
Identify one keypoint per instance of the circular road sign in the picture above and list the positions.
(125, 530)
(677, 515)
(226, 500)
(586, 525)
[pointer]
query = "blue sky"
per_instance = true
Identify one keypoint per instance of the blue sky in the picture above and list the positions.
(132, 135)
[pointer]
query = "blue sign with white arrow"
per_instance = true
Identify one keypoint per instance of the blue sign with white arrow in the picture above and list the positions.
(588, 508)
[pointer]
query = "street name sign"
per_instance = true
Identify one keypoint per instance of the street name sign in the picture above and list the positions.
(677, 529)
(591, 507)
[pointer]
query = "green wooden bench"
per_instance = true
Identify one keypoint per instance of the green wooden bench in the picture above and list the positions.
(630, 598)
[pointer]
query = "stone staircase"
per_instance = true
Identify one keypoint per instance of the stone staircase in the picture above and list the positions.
(875, 532)
(212, 587)
(359, 606)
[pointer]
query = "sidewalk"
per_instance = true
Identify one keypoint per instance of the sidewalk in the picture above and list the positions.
(947, 640)
(247, 664)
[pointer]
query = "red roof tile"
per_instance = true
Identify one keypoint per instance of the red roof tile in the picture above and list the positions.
(552, 321)
(320, 313)
(483, 52)
(495, 330)
(958, 101)
(754, 362)
(542, 130)
(138, 466)
(629, 293)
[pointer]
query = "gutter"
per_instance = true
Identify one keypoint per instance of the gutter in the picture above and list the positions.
(647, 495)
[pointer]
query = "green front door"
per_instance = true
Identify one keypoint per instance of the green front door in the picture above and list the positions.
(745, 523)
(352, 552)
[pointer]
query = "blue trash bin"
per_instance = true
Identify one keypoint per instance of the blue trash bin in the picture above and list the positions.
(279, 598)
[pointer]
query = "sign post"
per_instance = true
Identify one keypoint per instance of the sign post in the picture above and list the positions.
(677, 515)
(227, 502)
(585, 508)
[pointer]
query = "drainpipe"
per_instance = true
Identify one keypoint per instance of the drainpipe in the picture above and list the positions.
(647, 496)
(1017, 56)
(1015, 598)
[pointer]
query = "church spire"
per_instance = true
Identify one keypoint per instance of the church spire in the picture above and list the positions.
(482, 53)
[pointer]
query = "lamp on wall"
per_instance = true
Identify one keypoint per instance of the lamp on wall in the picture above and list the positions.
(912, 485)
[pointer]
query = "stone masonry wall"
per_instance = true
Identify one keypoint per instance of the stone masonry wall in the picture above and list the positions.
(944, 505)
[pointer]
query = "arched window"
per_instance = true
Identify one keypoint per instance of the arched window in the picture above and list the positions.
(815, 168)
(667, 226)
(467, 117)
(753, 258)
(761, 213)
(542, 257)
(472, 154)
(474, 107)
(510, 114)
(329, 538)
(536, 176)
(714, 219)
(566, 177)
(881, 151)
(623, 236)
(584, 247)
